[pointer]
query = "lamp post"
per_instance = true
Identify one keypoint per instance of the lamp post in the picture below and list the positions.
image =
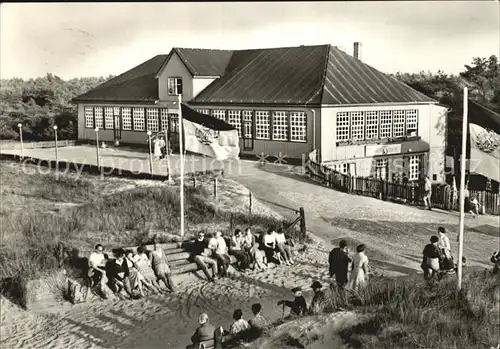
(55, 139)
(21, 138)
(97, 146)
(150, 154)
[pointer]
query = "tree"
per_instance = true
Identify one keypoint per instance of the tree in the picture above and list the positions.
(482, 77)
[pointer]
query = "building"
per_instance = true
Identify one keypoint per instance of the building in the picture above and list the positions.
(285, 102)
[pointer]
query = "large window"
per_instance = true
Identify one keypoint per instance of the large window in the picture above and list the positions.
(99, 121)
(298, 126)
(152, 119)
(127, 118)
(342, 126)
(262, 125)
(280, 126)
(411, 121)
(357, 126)
(219, 114)
(414, 167)
(385, 124)
(164, 119)
(398, 129)
(371, 125)
(234, 119)
(138, 119)
(174, 86)
(89, 117)
(108, 118)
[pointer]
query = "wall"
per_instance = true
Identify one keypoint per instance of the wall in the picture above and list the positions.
(200, 83)
(431, 129)
(175, 68)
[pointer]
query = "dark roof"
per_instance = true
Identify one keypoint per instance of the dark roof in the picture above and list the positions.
(204, 119)
(136, 85)
(481, 115)
(204, 62)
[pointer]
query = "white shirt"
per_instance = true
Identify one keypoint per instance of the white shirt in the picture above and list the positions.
(444, 242)
(280, 238)
(218, 244)
(269, 239)
(475, 202)
(96, 259)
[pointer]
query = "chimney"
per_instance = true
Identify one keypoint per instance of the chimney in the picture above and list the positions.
(357, 50)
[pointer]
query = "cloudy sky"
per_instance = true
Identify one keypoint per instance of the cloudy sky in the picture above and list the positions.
(85, 39)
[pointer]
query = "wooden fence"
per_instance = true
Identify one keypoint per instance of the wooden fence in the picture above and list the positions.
(409, 193)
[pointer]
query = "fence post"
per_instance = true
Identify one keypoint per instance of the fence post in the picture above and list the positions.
(250, 203)
(215, 187)
(302, 224)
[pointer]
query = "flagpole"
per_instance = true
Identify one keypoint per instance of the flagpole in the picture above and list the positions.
(462, 190)
(181, 152)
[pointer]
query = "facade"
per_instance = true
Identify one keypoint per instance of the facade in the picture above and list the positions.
(284, 102)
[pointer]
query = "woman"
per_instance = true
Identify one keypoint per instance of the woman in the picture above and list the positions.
(430, 261)
(445, 248)
(144, 266)
(135, 277)
(220, 251)
(160, 266)
(157, 149)
(117, 273)
(269, 245)
(283, 248)
(359, 275)
(236, 249)
(248, 243)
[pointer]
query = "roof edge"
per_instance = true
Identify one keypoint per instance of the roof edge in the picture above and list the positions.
(164, 64)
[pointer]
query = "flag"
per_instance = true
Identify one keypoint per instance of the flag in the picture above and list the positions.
(484, 152)
(207, 135)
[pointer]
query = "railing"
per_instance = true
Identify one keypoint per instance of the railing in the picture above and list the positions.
(34, 145)
(409, 193)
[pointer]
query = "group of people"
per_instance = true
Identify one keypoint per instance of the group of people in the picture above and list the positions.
(130, 272)
(437, 256)
(349, 271)
(160, 148)
(250, 251)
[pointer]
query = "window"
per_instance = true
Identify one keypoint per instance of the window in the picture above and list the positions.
(414, 167)
(381, 169)
(262, 125)
(108, 118)
(371, 124)
(164, 119)
(174, 122)
(127, 118)
(234, 119)
(99, 122)
(385, 124)
(342, 126)
(298, 126)
(399, 123)
(138, 119)
(89, 117)
(203, 111)
(411, 121)
(116, 111)
(247, 122)
(219, 114)
(174, 86)
(357, 125)
(152, 119)
(280, 126)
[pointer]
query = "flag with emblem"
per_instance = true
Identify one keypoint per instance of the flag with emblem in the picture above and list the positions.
(207, 135)
(484, 152)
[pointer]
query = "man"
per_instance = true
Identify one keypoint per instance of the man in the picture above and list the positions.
(205, 331)
(118, 272)
(220, 251)
(239, 324)
(427, 193)
(163, 147)
(236, 249)
(339, 261)
(199, 256)
(298, 306)
(97, 270)
(259, 321)
(319, 298)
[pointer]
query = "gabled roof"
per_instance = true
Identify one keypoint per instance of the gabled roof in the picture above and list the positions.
(204, 62)
(136, 85)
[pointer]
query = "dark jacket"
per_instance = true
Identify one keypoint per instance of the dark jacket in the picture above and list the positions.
(298, 306)
(339, 262)
(113, 270)
(203, 333)
(197, 248)
(431, 251)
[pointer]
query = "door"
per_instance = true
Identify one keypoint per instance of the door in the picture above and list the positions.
(247, 130)
(173, 131)
(117, 129)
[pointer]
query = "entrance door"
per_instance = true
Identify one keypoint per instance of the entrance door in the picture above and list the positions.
(247, 130)
(117, 127)
(173, 131)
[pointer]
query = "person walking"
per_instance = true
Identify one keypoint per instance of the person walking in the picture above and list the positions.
(427, 193)
(339, 262)
(359, 276)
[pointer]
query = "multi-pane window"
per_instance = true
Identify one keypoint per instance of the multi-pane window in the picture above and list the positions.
(127, 118)
(203, 111)
(381, 166)
(262, 125)
(247, 123)
(219, 114)
(398, 127)
(99, 122)
(371, 124)
(298, 126)
(138, 114)
(108, 118)
(357, 126)
(414, 167)
(280, 126)
(152, 119)
(174, 122)
(174, 86)
(234, 119)
(89, 117)
(342, 126)
(116, 111)
(411, 120)
(164, 119)
(385, 124)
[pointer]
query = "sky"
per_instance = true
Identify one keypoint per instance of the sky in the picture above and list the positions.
(99, 39)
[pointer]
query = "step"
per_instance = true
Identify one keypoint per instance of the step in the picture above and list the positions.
(172, 251)
(178, 262)
(177, 256)
(186, 268)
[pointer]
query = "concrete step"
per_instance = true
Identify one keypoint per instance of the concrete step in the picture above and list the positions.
(178, 262)
(183, 269)
(178, 256)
